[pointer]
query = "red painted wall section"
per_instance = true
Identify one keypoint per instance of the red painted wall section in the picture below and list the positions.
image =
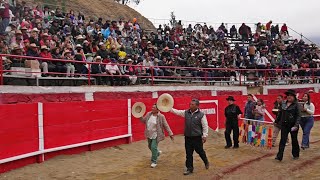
(226, 93)
(8, 98)
(315, 99)
(84, 121)
(191, 94)
(19, 129)
(17, 164)
(120, 95)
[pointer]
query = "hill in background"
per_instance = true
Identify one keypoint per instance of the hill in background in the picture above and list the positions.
(107, 9)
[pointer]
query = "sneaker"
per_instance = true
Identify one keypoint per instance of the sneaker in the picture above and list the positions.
(159, 153)
(187, 172)
(236, 147)
(227, 147)
(153, 165)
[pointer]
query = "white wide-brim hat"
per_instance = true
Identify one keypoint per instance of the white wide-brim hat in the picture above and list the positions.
(165, 102)
(138, 109)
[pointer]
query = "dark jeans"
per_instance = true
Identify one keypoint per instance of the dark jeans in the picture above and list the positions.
(232, 126)
(294, 139)
(306, 124)
(101, 80)
(261, 73)
(194, 144)
(114, 80)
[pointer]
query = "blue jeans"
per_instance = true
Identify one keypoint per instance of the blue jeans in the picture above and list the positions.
(306, 124)
(261, 118)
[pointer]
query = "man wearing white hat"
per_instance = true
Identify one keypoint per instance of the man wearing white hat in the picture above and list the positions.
(195, 132)
(156, 123)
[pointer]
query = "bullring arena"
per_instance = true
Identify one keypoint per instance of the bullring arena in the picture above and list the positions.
(123, 153)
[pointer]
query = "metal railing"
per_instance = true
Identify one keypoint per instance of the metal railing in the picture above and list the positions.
(178, 74)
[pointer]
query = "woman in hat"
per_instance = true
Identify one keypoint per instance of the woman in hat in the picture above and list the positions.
(156, 123)
(232, 113)
(288, 119)
(307, 120)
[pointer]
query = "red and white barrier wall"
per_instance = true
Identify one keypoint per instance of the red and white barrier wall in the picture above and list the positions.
(30, 94)
(35, 132)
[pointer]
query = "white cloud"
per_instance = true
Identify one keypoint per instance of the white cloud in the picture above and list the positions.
(298, 14)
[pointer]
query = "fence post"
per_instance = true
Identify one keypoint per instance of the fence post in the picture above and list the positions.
(313, 78)
(89, 75)
(240, 81)
(265, 77)
(152, 77)
(129, 121)
(206, 77)
(40, 157)
(1, 71)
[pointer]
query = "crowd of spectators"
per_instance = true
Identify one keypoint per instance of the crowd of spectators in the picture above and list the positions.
(124, 51)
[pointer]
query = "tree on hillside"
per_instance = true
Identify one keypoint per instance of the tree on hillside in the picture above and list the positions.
(125, 2)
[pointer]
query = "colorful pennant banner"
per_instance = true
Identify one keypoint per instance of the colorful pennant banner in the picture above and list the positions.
(259, 135)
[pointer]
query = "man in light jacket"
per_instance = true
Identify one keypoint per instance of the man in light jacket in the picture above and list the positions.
(195, 132)
(156, 123)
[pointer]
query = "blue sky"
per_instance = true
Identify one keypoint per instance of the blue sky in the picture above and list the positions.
(300, 15)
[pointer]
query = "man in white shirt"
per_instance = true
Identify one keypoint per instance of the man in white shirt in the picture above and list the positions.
(195, 132)
(114, 72)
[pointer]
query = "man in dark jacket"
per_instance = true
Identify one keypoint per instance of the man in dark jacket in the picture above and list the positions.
(195, 132)
(100, 70)
(103, 52)
(289, 119)
(54, 29)
(277, 127)
(232, 113)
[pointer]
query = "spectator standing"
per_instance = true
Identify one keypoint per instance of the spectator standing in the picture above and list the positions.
(249, 107)
(259, 111)
(232, 113)
(289, 120)
(5, 16)
(307, 120)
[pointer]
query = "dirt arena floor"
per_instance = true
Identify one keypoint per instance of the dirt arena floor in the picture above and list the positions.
(132, 161)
